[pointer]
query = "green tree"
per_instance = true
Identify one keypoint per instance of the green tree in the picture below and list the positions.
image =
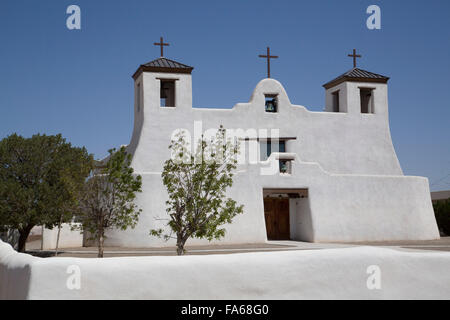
(196, 185)
(39, 179)
(442, 213)
(107, 199)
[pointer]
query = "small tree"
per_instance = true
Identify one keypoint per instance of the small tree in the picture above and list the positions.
(107, 199)
(442, 213)
(196, 185)
(39, 177)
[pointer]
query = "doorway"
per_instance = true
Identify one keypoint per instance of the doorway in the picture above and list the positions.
(287, 214)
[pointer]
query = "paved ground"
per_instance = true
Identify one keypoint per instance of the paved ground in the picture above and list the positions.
(91, 252)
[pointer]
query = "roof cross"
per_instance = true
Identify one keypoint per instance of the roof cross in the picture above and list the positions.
(161, 44)
(354, 56)
(268, 56)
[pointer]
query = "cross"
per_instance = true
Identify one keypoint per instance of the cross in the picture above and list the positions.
(268, 56)
(354, 55)
(161, 44)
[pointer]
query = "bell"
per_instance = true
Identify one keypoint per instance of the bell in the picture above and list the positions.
(283, 167)
(270, 105)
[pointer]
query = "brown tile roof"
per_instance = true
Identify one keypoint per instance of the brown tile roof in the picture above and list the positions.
(163, 65)
(357, 75)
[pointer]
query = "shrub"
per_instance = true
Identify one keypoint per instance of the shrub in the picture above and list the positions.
(442, 213)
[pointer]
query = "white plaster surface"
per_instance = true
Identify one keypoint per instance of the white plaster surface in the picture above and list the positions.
(357, 190)
(308, 274)
(68, 238)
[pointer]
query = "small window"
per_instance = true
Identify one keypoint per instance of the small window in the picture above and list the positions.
(366, 95)
(138, 97)
(271, 103)
(335, 98)
(286, 166)
(167, 93)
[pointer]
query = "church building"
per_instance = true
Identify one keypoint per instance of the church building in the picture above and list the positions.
(337, 177)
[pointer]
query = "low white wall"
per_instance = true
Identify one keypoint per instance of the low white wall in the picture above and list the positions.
(67, 238)
(312, 274)
(15, 273)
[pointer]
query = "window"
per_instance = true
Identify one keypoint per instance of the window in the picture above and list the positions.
(167, 93)
(271, 103)
(335, 100)
(267, 147)
(366, 95)
(285, 166)
(138, 97)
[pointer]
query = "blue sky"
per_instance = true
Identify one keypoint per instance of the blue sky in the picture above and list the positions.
(78, 83)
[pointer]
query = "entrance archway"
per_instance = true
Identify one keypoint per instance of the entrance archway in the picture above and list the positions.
(286, 215)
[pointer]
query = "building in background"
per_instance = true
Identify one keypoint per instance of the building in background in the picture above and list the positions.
(337, 174)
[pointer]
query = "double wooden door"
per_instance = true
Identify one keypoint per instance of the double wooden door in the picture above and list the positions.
(276, 212)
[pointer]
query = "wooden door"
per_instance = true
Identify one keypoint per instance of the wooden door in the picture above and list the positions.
(276, 213)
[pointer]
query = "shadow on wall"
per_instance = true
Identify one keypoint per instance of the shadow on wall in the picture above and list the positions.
(15, 273)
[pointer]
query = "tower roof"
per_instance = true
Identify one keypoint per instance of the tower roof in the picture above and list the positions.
(163, 65)
(357, 75)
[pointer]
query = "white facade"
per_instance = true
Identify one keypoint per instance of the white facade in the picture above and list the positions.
(344, 161)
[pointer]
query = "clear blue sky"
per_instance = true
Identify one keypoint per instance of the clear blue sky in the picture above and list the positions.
(78, 83)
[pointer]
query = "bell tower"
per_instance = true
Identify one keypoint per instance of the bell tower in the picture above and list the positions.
(162, 83)
(357, 92)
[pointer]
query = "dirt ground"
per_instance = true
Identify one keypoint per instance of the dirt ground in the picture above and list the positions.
(442, 244)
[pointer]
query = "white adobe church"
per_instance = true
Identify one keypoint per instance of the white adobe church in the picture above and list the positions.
(338, 177)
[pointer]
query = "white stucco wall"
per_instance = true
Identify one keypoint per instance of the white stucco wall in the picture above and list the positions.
(68, 238)
(357, 191)
(347, 143)
(301, 220)
(310, 274)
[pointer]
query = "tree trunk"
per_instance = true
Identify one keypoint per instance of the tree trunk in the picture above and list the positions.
(57, 237)
(23, 236)
(180, 245)
(180, 249)
(100, 245)
(101, 233)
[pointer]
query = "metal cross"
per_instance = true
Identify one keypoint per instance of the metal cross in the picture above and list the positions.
(354, 56)
(161, 44)
(268, 56)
